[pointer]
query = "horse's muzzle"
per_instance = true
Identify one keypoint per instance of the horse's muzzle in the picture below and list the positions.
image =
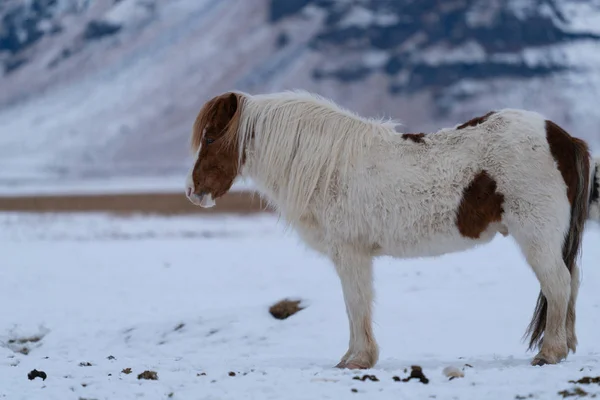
(203, 199)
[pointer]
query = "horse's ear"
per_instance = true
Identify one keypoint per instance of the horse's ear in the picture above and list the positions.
(231, 103)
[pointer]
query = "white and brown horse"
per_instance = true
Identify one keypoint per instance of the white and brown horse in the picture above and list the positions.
(353, 188)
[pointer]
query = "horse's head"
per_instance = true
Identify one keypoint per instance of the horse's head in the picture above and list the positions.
(215, 143)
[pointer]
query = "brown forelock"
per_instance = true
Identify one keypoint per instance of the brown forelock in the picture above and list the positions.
(216, 129)
(480, 205)
(415, 137)
(476, 121)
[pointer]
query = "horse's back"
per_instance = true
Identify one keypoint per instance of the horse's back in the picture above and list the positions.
(411, 194)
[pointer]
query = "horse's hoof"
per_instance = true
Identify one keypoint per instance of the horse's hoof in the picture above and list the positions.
(546, 357)
(538, 362)
(351, 365)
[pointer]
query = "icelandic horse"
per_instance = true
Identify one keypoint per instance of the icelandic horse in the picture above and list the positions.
(353, 188)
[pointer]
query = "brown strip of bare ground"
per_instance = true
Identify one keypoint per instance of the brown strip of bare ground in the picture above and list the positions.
(144, 203)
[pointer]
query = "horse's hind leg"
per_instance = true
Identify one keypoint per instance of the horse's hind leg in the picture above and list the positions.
(544, 255)
(571, 335)
(355, 270)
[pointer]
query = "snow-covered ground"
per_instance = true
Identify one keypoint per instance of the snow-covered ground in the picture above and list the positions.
(188, 296)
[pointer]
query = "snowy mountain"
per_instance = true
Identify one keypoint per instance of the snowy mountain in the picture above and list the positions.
(98, 88)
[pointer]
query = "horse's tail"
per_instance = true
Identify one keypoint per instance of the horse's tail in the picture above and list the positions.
(594, 204)
(573, 160)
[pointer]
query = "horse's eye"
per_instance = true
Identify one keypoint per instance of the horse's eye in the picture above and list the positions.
(209, 141)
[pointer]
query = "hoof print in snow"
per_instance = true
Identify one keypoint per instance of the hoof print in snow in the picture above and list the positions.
(37, 374)
(85, 364)
(111, 358)
(587, 380)
(453, 372)
(201, 374)
(285, 308)
(149, 375)
(23, 345)
(372, 378)
(126, 371)
(354, 390)
(416, 372)
(579, 392)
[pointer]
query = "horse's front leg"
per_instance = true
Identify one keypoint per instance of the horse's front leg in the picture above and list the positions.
(355, 270)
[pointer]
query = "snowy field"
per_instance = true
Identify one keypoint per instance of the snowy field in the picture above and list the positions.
(84, 297)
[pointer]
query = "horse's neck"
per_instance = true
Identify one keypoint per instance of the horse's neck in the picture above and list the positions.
(251, 171)
(378, 149)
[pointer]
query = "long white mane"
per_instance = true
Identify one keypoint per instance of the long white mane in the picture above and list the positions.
(298, 141)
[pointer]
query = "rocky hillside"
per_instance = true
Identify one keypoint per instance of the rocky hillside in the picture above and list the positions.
(111, 87)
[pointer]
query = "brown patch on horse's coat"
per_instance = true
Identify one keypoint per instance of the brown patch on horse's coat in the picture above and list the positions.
(480, 206)
(476, 121)
(215, 130)
(415, 137)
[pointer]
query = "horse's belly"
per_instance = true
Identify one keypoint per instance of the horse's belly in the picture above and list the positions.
(436, 244)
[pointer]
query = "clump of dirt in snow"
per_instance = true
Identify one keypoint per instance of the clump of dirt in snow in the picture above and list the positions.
(579, 392)
(587, 380)
(37, 374)
(285, 308)
(416, 372)
(372, 378)
(150, 375)
(179, 327)
(126, 371)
